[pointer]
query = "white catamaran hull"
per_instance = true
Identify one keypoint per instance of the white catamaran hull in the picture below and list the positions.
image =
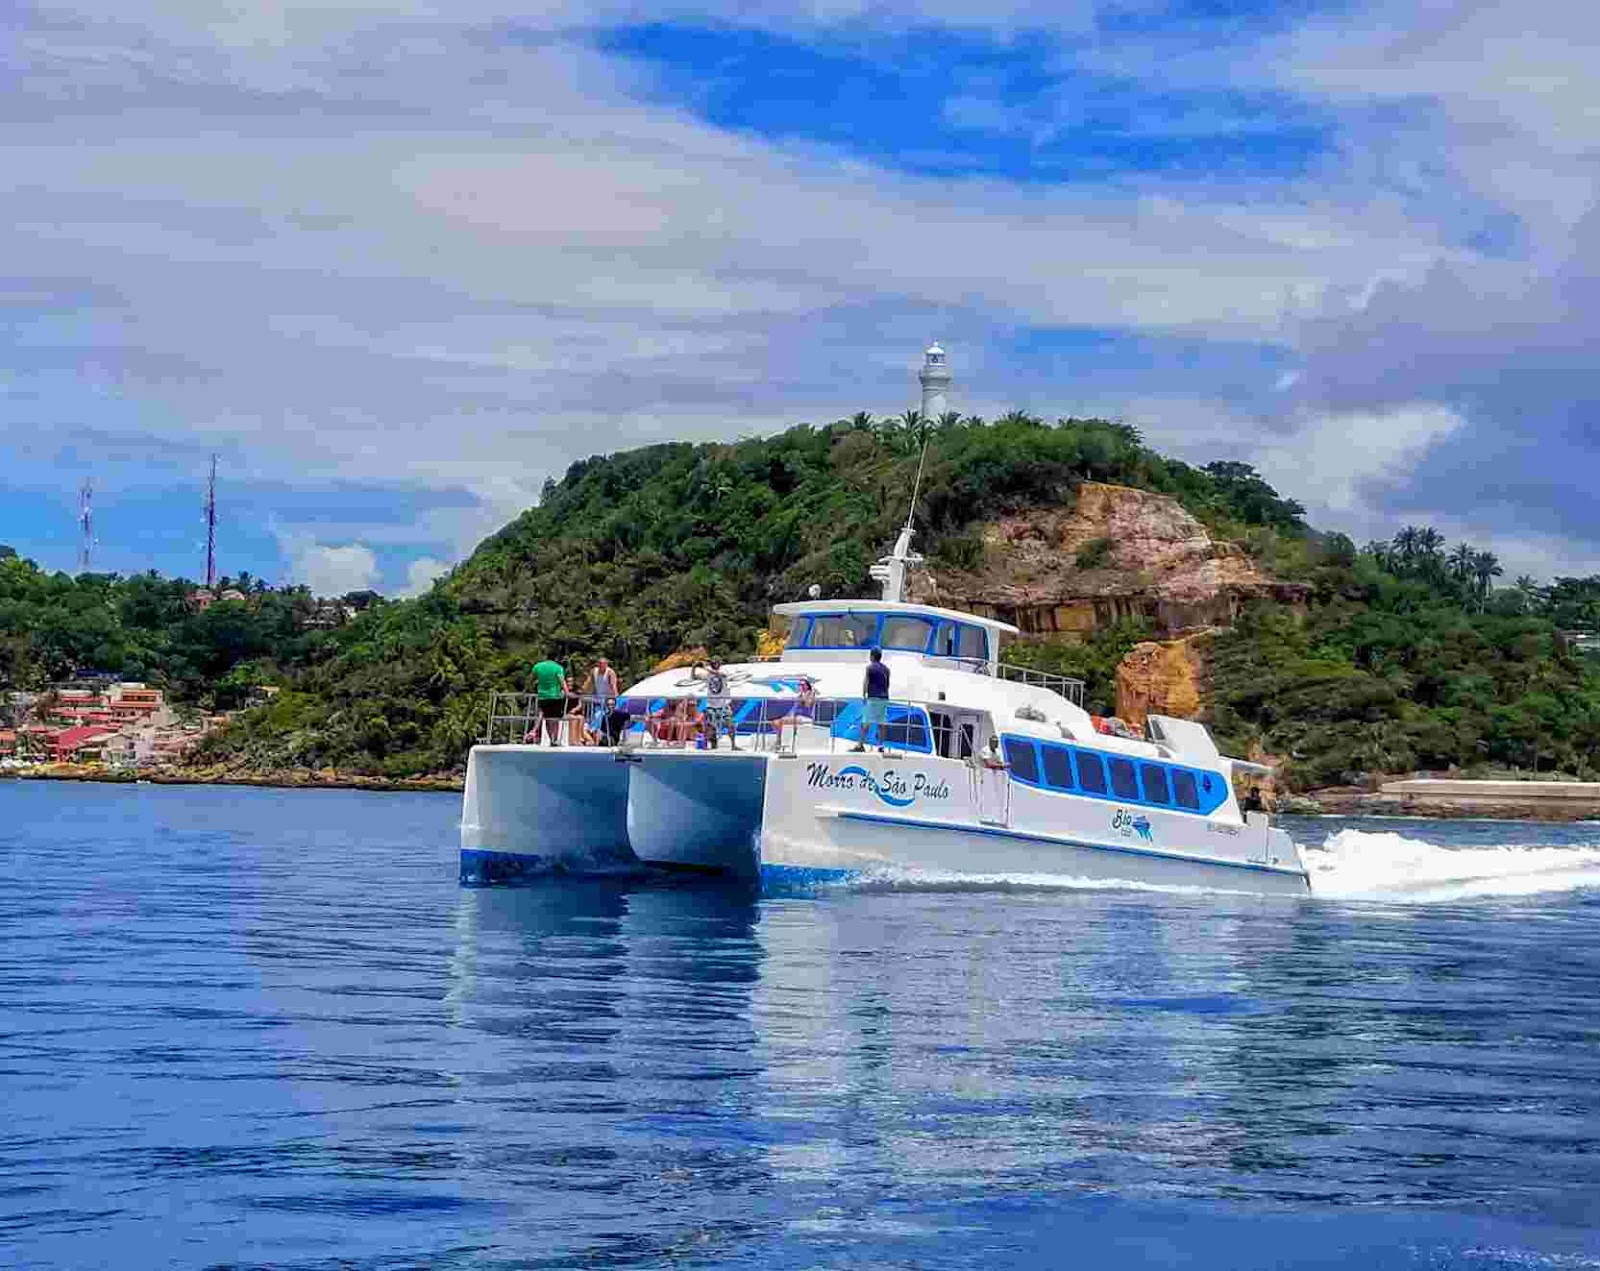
(527, 809)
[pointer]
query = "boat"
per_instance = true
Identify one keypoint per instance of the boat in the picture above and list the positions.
(980, 768)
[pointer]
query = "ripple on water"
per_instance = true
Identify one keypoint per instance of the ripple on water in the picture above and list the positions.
(269, 1028)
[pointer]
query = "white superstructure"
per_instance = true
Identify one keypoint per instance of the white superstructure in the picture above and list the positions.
(980, 769)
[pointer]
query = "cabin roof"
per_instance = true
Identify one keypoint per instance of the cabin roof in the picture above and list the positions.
(797, 608)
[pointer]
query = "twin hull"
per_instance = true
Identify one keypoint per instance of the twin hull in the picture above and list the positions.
(529, 808)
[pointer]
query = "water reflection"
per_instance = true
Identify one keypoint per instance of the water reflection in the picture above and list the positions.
(615, 1048)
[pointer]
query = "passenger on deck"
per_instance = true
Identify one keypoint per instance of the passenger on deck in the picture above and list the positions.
(719, 706)
(874, 702)
(578, 731)
(600, 688)
(804, 712)
(992, 758)
(550, 695)
(674, 723)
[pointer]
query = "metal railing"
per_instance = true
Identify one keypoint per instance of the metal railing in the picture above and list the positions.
(765, 725)
(1061, 685)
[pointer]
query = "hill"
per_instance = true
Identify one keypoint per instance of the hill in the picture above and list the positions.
(1340, 661)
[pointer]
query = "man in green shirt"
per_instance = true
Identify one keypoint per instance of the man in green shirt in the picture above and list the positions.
(550, 689)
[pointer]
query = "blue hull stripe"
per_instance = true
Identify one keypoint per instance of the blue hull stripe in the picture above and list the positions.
(989, 831)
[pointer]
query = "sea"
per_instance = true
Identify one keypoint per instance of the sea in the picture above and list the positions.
(261, 1028)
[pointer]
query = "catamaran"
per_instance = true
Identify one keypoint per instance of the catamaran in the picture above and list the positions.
(977, 768)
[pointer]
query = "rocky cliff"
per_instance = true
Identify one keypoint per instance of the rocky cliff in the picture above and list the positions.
(1162, 677)
(1117, 553)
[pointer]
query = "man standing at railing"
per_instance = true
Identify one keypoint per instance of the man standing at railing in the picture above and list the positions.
(875, 701)
(550, 689)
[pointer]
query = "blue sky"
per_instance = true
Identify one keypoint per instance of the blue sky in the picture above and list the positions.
(396, 263)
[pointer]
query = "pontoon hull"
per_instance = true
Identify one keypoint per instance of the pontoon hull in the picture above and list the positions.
(738, 815)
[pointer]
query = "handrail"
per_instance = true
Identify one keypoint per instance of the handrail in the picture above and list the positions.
(514, 718)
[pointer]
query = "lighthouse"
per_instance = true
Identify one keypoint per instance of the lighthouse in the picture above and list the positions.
(935, 377)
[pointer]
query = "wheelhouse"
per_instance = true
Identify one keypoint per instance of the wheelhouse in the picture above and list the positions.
(818, 627)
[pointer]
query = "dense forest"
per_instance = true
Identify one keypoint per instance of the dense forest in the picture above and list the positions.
(1411, 653)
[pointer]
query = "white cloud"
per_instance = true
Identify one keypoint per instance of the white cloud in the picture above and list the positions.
(334, 570)
(422, 573)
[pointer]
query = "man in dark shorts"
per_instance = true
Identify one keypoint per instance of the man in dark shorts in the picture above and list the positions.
(550, 692)
(875, 702)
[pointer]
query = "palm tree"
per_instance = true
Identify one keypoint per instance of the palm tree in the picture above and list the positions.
(1463, 561)
(1016, 416)
(973, 421)
(862, 419)
(1485, 568)
(914, 429)
(950, 419)
(1405, 545)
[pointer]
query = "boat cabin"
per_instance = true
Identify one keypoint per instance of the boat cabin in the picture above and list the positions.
(822, 630)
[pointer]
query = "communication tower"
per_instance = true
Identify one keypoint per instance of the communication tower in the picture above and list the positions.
(86, 524)
(211, 527)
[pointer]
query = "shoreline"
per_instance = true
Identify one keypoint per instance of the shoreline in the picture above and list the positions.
(1337, 801)
(277, 779)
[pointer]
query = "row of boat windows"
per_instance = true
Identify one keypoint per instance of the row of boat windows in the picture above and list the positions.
(1069, 768)
(907, 728)
(941, 637)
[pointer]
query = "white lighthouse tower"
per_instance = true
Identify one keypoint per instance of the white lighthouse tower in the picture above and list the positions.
(935, 377)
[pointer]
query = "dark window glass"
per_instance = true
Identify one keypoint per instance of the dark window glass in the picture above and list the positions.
(1155, 782)
(797, 634)
(843, 631)
(900, 632)
(1023, 758)
(1124, 784)
(1057, 767)
(916, 735)
(1091, 775)
(974, 643)
(1183, 790)
(827, 708)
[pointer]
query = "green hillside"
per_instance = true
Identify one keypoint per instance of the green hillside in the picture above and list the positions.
(1410, 655)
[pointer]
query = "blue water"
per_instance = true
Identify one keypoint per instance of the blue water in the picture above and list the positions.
(269, 1028)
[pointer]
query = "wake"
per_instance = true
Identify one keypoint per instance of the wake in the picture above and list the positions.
(1367, 865)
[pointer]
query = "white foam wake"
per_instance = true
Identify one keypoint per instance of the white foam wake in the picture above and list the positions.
(1362, 865)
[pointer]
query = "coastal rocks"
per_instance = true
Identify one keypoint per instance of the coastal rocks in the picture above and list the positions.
(1162, 677)
(1117, 553)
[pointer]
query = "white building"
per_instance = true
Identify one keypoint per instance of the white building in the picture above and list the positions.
(935, 378)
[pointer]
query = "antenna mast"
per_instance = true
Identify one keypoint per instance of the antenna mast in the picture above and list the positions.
(86, 524)
(211, 527)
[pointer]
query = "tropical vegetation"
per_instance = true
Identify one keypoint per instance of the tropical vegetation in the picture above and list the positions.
(1409, 653)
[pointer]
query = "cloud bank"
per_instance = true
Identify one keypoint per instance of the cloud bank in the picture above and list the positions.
(407, 261)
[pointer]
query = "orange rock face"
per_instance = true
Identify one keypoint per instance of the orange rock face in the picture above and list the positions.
(1145, 557)
(1161, 677)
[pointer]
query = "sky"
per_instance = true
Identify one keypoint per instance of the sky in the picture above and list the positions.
(396, 262)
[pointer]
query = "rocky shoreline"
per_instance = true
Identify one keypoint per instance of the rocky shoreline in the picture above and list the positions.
(1535, 805)
(286, 779)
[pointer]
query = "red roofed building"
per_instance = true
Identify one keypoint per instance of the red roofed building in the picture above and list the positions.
(85, 742)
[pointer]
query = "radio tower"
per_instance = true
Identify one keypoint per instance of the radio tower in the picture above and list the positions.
(211, 527)
(86, 524)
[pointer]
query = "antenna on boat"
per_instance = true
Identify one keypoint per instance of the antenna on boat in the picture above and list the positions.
(891, 570)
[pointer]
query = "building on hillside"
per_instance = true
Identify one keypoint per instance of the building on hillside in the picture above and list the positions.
(82, 744)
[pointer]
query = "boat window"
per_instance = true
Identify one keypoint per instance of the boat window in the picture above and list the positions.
(907, 729)
(1123, 782)
(1057, 767)
(799, 629)
(842, 631)
(901, 632)
(1024, 760)
(1155, 782)
(1184, 792)
(962, 640)
(827, 708)
(1091, 773)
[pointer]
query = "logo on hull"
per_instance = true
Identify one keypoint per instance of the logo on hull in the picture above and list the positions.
(1133, 824)
(897, 789)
